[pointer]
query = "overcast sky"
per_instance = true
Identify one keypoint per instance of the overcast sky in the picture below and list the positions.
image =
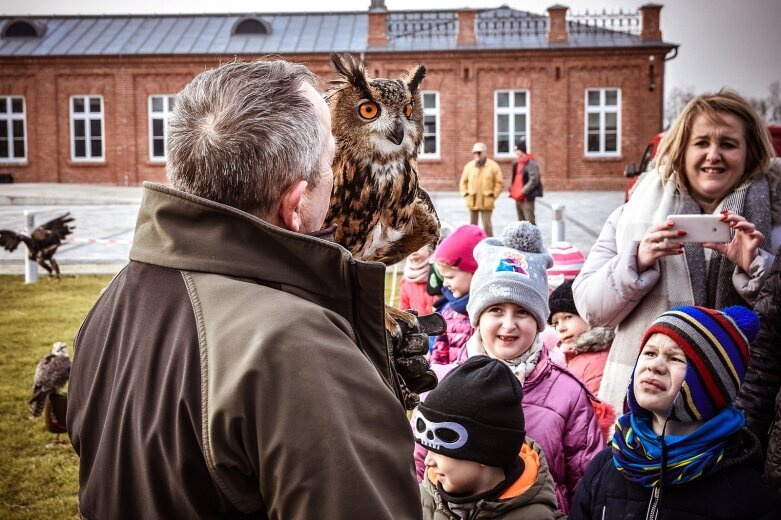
(735, 43)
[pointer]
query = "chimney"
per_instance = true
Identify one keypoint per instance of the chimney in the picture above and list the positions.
(651, 31)
(466, 27)
(378, 24)
(557, 24)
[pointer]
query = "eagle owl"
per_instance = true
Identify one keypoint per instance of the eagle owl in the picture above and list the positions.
(380, 212)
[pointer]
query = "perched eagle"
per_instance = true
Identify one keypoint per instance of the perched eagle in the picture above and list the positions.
(42, 243)
(51, 375)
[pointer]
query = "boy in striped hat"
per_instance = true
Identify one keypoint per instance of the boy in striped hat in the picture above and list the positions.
(683, 451)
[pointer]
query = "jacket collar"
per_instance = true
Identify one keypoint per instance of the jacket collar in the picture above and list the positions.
(182, 231)
(597, 339)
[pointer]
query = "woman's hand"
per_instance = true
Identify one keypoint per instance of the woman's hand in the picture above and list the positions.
(744, 247)
(656, 244)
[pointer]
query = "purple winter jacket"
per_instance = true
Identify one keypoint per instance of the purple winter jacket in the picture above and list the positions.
(447, 345)
(559, 417)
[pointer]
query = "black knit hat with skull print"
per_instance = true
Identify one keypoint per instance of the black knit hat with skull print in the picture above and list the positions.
(474, 414)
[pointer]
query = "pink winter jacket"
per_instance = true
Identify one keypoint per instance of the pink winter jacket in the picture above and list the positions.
(447, 346)
(559, 417)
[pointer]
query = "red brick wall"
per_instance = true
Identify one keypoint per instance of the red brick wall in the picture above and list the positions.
(465, 81)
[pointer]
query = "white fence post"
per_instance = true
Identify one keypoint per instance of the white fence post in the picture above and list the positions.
(557, 227)
(30, 267)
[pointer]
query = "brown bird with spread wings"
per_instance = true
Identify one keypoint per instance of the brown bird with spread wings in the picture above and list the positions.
(42, 243)
(380, 212)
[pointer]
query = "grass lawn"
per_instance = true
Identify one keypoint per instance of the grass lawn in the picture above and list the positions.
(36, 481)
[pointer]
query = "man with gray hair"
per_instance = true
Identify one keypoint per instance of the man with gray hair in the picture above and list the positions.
(237, 367)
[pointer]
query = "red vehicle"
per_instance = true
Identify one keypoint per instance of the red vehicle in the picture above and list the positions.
(633, 172)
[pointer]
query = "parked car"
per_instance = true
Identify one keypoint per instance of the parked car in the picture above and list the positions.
(633, 172)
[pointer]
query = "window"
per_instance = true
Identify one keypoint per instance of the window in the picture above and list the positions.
(512, 120)
(603, 121)
(12, 129)
(21, 28)
(251, 26)
(87, 128)
(429, 147)
(160, 108)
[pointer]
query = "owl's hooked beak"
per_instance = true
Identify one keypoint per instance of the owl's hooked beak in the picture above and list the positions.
(397, 134)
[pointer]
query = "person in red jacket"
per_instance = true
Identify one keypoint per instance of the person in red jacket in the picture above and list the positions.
(525, 185)
(413, 294)
(585, 348)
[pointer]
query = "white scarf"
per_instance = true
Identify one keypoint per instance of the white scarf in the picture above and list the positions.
(650, 204)
(522, 366)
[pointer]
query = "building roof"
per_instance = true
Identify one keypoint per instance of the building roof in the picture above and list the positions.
(294, 33)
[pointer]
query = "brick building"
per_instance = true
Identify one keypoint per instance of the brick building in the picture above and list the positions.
(86, 98)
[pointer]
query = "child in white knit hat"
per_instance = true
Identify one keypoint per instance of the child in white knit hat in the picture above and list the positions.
(508, 305)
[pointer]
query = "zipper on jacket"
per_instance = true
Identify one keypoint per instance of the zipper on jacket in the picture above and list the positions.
(394, 378)
(653, 505)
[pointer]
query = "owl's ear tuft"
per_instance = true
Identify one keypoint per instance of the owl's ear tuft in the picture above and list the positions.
(415, 77)
(352, 71)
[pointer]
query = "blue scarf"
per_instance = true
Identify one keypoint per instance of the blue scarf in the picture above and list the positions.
(457, 304)
(637, 450)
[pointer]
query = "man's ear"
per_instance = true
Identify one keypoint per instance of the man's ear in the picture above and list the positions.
(290, 206)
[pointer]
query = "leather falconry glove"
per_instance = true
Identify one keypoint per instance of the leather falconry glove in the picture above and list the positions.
(409, 348)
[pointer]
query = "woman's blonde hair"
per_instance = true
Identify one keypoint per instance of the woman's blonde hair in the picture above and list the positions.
(671, 157)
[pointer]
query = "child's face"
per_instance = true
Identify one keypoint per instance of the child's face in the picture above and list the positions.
(455, 279)
(458, 477)
(568, 328)
(421, 254)
(659, 374)
(507, 330)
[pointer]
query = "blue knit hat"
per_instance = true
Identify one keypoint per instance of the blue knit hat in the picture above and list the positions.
(716, 347)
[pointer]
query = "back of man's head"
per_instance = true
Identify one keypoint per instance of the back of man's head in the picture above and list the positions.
(242, 133)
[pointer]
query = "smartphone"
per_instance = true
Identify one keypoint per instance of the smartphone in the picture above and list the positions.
(701, 228)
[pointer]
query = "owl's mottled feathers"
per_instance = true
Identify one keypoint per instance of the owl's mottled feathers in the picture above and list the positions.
(380, 212)
(51, 375)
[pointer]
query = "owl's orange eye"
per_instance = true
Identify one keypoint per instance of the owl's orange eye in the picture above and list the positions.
(369, 110)
(408, 110)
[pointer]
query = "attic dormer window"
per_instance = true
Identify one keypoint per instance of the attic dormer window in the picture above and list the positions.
(22, 29)
(251, 26)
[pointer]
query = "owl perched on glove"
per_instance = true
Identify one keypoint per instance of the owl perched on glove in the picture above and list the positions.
(377, 206)
(380, 212)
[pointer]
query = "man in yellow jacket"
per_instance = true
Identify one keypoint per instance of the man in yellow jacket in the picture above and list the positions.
(481, 183)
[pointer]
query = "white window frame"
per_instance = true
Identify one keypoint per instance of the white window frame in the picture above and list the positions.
(602, 109)
(164, 115)
(431, 112)
(87, 116)
(7, 118)
(511, 111)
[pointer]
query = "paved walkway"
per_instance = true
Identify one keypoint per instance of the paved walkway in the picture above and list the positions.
(105, 219)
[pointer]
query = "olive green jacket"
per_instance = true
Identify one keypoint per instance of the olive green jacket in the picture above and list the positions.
(234, 369)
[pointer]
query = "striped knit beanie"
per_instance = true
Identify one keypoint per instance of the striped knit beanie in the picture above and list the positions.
(567, 263)
(716, 348)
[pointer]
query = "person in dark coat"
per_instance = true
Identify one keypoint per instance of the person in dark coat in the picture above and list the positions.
(759, 397)
(682, 451)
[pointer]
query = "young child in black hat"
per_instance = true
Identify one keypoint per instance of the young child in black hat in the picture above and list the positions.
(479, 459)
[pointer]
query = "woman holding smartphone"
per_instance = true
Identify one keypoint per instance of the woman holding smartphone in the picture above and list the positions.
(713, 160)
